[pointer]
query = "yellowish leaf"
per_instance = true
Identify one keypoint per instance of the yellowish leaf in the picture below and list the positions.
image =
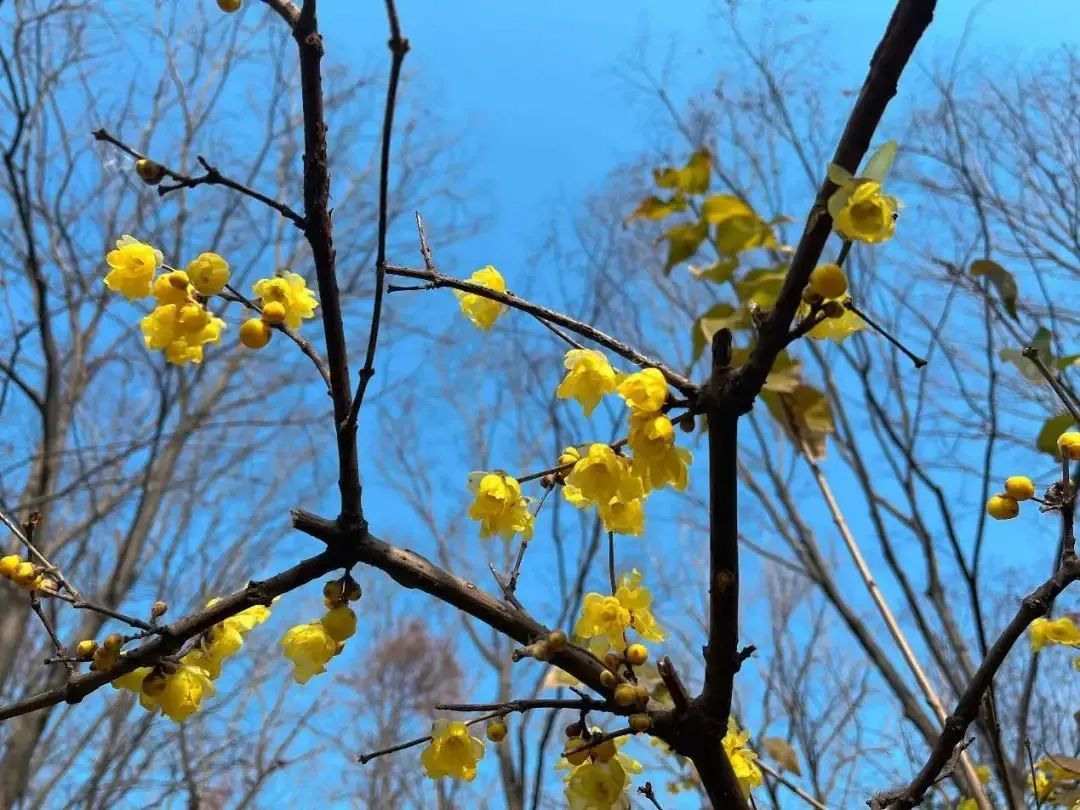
(683, 242)
(722, 207)
(693, 178)
(782, 753)
(655, 208)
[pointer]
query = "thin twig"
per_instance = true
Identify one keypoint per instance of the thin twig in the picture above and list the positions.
(61, 652)
(1034, 781)
(611, 561)
(309, 351)
(914, 358)
(399, 46)
(647, 791)
(1032, 354)
(211, 177)
(798, 791)
(438, 279)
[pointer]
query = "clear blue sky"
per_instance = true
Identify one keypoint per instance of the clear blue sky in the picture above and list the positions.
(536, 94)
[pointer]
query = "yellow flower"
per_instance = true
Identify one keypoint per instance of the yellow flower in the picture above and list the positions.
(225, 638)
(604, 620)
(452, 752)
(171, 328)
(657, 461)
(340, 623)
(638, 600)
(644, 390)
(859, 208)
(1057, 631)
(132, 681)
(309, 647)
(171, 288)
(291, 291)
(602, 474)
(589, 378)
(623, 517)
(743, 760)
(967, 804)
(499, 506)
(483, 312)
(209, 273)
(132, 267)
(184, 690)
(597, 786)
(835, 329)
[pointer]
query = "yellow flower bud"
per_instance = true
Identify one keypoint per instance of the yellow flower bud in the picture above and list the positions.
(828, 281)
(158, 609)
(641, 694)
(612, 660)
(86, 648)
(254, 333)
(574, 753)
(104, 660)
(113, 642)
(1019, 487)
(8, 565)
(637, 654)
(229, 6)
(833, 309)
(340, 623)
(353, 590)
(540, 651)
(573, 730)
(25, 575)
(556, 641)
(1069, 444)
(274, 313)
(149, 172)
(625, 695)
(496, 730)
(332, 591)
(608, 678)
(1002, 507)
(604, 752)
(640, 722)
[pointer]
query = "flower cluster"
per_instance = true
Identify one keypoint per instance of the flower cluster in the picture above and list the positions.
(181, 324)
(599, 777)
(311, 646)
(1056, 781)
(601, 477)
(24, 573)
(604, 620)
(743, 759)
(176, 687)
(499, 506)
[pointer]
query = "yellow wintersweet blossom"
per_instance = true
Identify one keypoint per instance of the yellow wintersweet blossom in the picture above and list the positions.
(132, 681)
(184, 690)
(859, 208)
(657, 461)
(181, 331)
(309, 647)
(836, 329)
(340, 622)
(209, 273)
(499, 506)
(171, 288)
(602, 474)
(623, 517)
(604, 620)
(743, 760)
(1054, 631)
(483, 312)
(452, 752)
(589, 378)
(225, 638)
(291, 291)
(132, 267)
(638, 599)
(644, 390)
(597, 786)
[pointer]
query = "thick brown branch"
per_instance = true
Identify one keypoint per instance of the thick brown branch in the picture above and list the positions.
(318, 229)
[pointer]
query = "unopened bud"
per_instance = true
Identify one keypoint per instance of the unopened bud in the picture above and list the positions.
(556, 641)
(86, 648)
(158, 609)
(149, 172)
(573, 730)
(833, 309)
(113, 642)
(640, 722)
